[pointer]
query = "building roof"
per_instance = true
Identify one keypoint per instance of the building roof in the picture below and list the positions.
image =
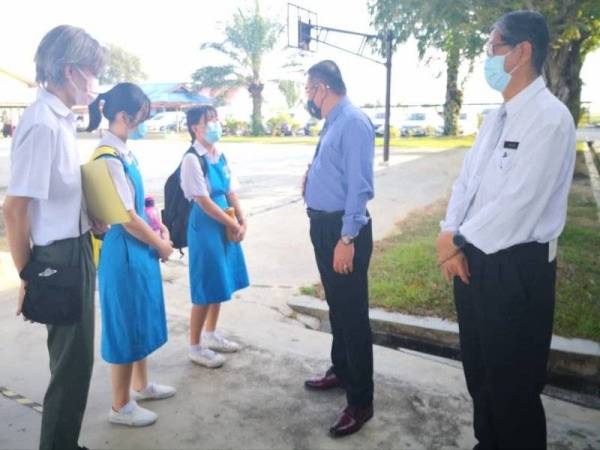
(15, 90)
(17, 77)
(173, 93)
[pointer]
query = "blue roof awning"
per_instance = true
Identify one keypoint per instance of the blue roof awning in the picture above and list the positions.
(173, 93)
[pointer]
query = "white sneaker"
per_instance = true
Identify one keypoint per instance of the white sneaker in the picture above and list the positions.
(153, 392)
(218, 343)
(207, 358)
(134, 416)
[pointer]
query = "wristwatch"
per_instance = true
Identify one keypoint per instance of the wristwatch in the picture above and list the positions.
(459, 240)
(347, 240)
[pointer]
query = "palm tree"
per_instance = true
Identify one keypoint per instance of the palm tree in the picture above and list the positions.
(247, 38)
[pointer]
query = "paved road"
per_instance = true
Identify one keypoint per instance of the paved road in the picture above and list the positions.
(589, 134)
(270, 175)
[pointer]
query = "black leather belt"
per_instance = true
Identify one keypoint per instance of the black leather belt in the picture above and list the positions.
(317, 214)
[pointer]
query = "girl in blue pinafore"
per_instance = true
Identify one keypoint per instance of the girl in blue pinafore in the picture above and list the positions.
(130, 283)
(216, 263)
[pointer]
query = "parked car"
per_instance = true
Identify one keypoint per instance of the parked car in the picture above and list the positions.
(312, 127)
(421, 123)
(468, 123)
(165, 121)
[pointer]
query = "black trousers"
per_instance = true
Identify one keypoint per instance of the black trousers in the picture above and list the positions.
(71, 351)
(348, 300)
(505, 317)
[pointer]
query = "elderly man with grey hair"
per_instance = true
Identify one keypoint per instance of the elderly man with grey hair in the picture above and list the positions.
(499, 238)
(46, 226)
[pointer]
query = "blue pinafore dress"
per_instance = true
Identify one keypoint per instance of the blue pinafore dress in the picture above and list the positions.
(131, 293)
(216, 265)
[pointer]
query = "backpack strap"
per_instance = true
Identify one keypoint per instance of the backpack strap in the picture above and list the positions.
(202, 159)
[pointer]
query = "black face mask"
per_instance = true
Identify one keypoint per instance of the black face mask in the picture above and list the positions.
(313, 109)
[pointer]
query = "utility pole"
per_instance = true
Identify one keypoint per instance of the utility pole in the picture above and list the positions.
(388, 89)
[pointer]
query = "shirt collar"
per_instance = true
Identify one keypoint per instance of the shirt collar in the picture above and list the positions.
(111, 140)
(337, 109)
(523, 98)
(201, 150)
(54, 103)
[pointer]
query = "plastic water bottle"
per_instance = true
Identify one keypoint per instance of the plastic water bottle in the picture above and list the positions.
(152, 214)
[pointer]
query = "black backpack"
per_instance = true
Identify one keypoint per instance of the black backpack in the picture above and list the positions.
(176, 213)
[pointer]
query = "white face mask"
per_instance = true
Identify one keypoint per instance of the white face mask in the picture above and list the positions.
(87, 96)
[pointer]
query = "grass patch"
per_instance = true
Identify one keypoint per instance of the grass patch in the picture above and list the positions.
(577, 311)
(309, 290)
(400, 142)
(404, 276)
(408, 142)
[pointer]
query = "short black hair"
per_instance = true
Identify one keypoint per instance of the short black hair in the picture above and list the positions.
(524, 25)
(329, 73)
(194, 116)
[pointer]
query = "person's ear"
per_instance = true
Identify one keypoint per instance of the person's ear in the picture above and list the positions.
(525, 53)
(122, 117)
(68, 72)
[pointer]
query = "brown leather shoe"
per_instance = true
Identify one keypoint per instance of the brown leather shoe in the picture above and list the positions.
(351, 420)
(329, 381)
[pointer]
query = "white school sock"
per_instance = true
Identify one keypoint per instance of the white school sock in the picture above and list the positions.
(128, 407)
(208, 334)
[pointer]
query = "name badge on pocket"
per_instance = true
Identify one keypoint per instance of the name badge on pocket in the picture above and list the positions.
(512, 145)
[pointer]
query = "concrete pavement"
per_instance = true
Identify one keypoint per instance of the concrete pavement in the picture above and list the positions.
(257, 400)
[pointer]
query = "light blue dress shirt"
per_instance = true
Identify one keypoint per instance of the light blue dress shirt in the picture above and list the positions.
(341, 176)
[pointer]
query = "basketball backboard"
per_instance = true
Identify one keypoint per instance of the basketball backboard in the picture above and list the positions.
(301, 28)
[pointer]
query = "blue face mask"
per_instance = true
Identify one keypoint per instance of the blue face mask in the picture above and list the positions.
(495, 75)
(139, 132)
(213, 132)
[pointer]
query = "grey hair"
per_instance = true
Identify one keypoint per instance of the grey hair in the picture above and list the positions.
(65, 46)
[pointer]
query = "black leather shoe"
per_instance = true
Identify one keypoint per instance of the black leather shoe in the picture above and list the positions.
(324, 383)
(351, 420)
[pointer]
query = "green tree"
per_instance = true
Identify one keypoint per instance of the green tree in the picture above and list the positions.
(574, 33)
(247, 39)
(122, 66)
(291, 91)
(454, 27)
(458, 28)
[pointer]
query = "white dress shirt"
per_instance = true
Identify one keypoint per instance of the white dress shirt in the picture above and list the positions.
(193, 183)
(45, 167)
(516, 192)
(122, 182)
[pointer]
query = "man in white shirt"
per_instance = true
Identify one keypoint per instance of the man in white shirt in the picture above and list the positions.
(44, 218)
(498, 240)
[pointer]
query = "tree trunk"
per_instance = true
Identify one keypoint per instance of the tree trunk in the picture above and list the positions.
(255, 89)
(562, 74)
(454, 95)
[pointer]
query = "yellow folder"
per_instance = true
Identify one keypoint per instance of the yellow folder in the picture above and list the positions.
(102, 198)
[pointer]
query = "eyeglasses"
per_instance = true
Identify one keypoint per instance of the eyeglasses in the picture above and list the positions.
(490, 49)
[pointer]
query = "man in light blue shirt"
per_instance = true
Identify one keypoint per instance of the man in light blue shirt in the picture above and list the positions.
(338, 185)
